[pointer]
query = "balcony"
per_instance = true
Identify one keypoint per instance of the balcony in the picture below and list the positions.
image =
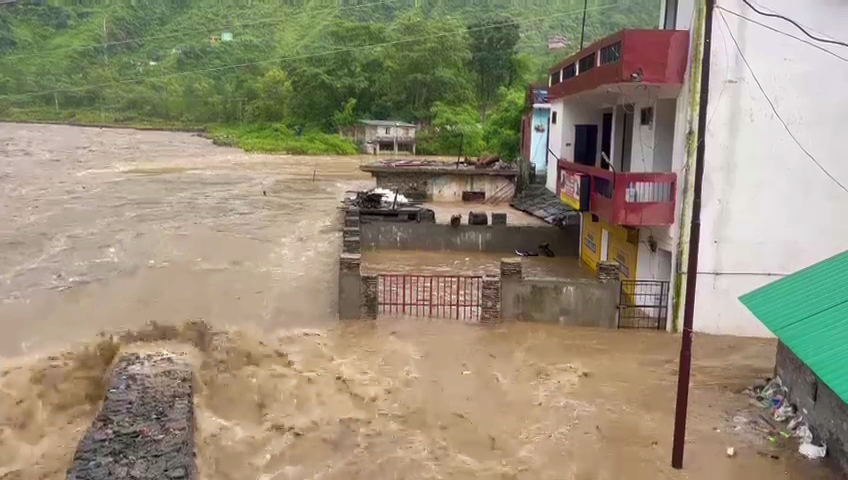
(632, 199)
(646, 57)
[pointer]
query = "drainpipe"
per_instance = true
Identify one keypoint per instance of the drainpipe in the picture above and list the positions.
(694, 245)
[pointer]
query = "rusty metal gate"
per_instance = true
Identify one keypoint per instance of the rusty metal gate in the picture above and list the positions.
(456, 297)
(643, 304)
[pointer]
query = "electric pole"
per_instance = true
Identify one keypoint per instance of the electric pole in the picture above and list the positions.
(583, 28)
(105, 55)
(685, 368)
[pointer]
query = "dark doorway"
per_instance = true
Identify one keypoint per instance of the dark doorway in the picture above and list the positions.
(606, 139)
(585, 144)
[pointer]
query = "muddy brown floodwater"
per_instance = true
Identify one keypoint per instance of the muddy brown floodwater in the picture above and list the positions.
(106, 230)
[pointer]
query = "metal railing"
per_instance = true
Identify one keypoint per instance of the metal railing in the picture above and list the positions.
(629, 198)
(643, 304)
(438, 296)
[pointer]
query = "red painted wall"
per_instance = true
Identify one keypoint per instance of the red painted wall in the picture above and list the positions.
(659, 55)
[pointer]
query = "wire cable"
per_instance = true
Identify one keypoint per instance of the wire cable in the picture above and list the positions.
(296, 57)
(199, 30)
(774, 109)
(798, 25)
(769, 27)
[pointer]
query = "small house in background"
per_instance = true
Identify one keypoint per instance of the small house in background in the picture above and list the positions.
(534, 131)
(375, 136)
(557, 42)
(808, 313)
(8, 3)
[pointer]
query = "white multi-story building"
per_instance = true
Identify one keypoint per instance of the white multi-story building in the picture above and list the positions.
(771, 193)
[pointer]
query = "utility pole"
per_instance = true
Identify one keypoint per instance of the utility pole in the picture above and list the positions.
(583, 28)
(105, 36)
(694, 244)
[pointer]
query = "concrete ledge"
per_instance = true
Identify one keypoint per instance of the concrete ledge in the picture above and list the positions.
(564, 241)
(145, 428)
(573, 302)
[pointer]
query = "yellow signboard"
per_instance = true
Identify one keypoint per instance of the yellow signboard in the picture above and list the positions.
(623, 253)
(569, 189)
(590, 243)
(619, 247)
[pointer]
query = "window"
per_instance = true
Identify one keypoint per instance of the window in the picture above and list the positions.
(646, 116)
(670, 17)
(555, 78)
(388, 130)
(611, 53)
(553, 117)
(586, 63)
(568, 72)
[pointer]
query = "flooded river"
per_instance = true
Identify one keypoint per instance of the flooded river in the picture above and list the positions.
(107, 230)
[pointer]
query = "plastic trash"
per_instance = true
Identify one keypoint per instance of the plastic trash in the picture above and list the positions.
(803, 432)
(813, 452)
(731, 452)
(784, 411)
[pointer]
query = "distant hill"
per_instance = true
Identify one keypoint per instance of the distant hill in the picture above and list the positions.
(204, 62)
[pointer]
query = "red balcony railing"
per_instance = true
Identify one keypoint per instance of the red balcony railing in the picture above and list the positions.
(631, 199)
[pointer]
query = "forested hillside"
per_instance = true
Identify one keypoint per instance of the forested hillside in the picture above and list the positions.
(258, 72)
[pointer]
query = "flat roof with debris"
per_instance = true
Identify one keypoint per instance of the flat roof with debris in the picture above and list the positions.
(439, 167)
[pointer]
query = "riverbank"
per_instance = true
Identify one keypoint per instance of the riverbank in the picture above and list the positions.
(259, 138)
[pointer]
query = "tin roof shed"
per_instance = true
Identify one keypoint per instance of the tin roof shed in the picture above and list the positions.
(808, 312)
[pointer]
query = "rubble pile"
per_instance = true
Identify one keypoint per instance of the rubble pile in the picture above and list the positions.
(378, 198)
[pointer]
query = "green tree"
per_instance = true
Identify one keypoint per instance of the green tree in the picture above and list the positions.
(493, 46)
(429, 69)
(274, 92)
(502, 131)
(347, 115)
(457, 126)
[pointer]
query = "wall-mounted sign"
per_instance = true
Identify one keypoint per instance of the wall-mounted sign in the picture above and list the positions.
(574, 190)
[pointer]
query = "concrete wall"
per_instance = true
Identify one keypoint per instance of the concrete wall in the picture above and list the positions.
(446, 188)
(825, 411)
(350, 286)
(470, 238)
(565, 302)
(768, 210)
(555, 141)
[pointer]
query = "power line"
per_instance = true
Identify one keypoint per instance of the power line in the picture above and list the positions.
(769, 27)
(774, 109)
(294, 57)
(188, 32)
(793, 22)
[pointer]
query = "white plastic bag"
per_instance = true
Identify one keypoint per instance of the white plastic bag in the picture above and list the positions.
(813, 452)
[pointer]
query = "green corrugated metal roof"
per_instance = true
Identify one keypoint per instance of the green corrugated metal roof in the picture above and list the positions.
(808, 312)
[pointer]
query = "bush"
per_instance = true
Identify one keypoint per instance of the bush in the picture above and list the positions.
(280, 139)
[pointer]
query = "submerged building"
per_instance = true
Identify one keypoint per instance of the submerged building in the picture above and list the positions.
(623, 117)
(376, 136)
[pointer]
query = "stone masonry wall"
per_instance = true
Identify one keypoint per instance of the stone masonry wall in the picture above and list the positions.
(412, 185)
(491, 299)
(826, 413)
(145, 428)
